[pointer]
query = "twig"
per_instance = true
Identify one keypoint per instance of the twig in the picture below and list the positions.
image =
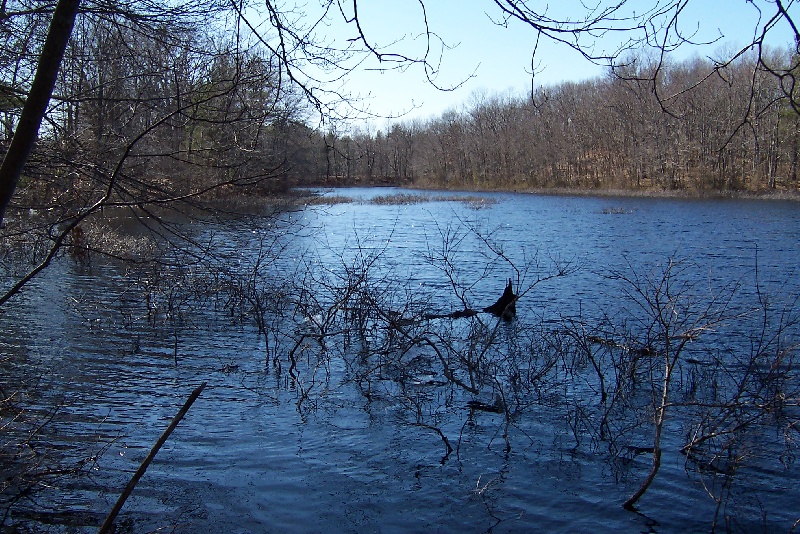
(109, 522)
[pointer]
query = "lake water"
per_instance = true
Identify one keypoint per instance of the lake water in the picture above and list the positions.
(342, 443)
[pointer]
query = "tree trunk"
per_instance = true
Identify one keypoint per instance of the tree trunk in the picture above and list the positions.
(38, 98)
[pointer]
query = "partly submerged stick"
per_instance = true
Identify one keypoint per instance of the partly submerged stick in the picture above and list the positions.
(112, 515)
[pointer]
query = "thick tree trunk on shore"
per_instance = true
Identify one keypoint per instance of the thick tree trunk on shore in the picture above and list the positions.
(38, 98)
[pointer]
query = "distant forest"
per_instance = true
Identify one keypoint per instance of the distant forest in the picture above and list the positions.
(142, 115)
(730, 131)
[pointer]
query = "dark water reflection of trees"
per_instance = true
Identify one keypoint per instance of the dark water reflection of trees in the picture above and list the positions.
(550, 419)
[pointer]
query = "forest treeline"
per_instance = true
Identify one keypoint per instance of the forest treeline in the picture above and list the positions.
(148, 110)
(733, 130)
(151, 106)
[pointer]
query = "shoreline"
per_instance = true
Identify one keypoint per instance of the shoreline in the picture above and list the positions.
(778, 195)
(677, 194)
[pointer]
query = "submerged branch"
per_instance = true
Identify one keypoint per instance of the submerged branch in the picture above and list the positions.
(108, 524)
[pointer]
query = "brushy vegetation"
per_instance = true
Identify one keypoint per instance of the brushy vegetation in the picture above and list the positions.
(651, 379)
(399, 199)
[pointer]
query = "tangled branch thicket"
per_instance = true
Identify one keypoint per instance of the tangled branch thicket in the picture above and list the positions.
(659, 373)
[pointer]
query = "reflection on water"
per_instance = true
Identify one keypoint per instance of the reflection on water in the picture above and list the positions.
(260, 452)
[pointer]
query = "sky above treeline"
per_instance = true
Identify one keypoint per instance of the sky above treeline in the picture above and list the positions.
(487, 58)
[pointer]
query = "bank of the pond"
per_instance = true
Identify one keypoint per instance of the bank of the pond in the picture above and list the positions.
(423, 193)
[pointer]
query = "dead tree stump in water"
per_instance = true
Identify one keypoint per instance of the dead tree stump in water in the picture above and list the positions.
(505, 307)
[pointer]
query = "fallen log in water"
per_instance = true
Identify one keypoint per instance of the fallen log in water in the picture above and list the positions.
(505, 308)
(454, 315)
(498, 406)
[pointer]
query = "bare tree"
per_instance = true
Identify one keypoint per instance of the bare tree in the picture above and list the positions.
(164, 105)
(37, 100)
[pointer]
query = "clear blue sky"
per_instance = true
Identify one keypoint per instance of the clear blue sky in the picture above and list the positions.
(491, 59)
